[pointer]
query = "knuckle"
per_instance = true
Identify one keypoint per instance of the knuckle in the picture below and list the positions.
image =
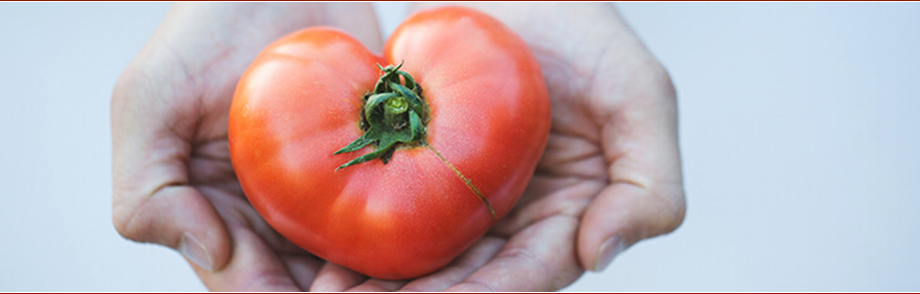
(673, 210)
(124, 83)
(124, 225)
(652, 81)
(130, 79)
(128, 220)
(129, 85)
(661, 80)
(151, 74)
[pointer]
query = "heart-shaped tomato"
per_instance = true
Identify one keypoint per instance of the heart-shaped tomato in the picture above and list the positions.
(446, 155)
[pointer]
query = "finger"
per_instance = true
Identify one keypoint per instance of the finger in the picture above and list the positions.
(180, 218)
(471, 260)
(539, 258)
(236, 208)
(252, 267)
(546, 196)
(302, 268)
(335, 278)
(622, 215)
(646, 197)
(359, 20)
(151, 199)
(376, 285)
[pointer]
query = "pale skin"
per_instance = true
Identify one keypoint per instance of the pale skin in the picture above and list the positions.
(610, 176)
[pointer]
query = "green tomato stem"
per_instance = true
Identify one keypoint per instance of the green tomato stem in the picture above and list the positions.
(394, 115)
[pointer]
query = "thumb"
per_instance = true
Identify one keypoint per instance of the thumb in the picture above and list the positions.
(622, 215)
(151, 200)
(178, 217)
(646, 197)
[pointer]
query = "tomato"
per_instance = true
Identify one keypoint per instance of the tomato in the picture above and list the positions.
(478, 128)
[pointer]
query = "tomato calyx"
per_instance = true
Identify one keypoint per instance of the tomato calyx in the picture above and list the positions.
(396, 115)
(393, 115)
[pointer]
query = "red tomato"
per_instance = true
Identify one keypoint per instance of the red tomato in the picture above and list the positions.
(486, 120)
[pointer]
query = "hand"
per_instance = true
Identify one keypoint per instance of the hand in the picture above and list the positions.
(611, 174)
(612, 166)
(173, 181)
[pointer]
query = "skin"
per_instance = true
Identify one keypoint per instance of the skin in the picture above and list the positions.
(609, 178)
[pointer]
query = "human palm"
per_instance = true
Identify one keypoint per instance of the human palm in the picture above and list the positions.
(611, 167)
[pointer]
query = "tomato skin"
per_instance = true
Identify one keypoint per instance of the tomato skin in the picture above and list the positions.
(300, 101)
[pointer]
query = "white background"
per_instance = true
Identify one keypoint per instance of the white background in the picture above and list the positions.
(800, 127)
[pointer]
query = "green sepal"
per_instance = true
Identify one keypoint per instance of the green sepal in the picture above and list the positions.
(410, 82)
(389, 123)
(356, 144)
(416, 127)
(367, 157)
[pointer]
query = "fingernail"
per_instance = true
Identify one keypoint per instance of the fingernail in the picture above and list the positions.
(608, 250)
(192, 249)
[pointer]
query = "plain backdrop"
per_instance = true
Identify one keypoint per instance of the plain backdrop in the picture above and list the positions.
(799, 129)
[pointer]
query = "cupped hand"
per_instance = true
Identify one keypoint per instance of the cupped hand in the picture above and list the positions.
(610, 177)
(611, 173)
(173, 181)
